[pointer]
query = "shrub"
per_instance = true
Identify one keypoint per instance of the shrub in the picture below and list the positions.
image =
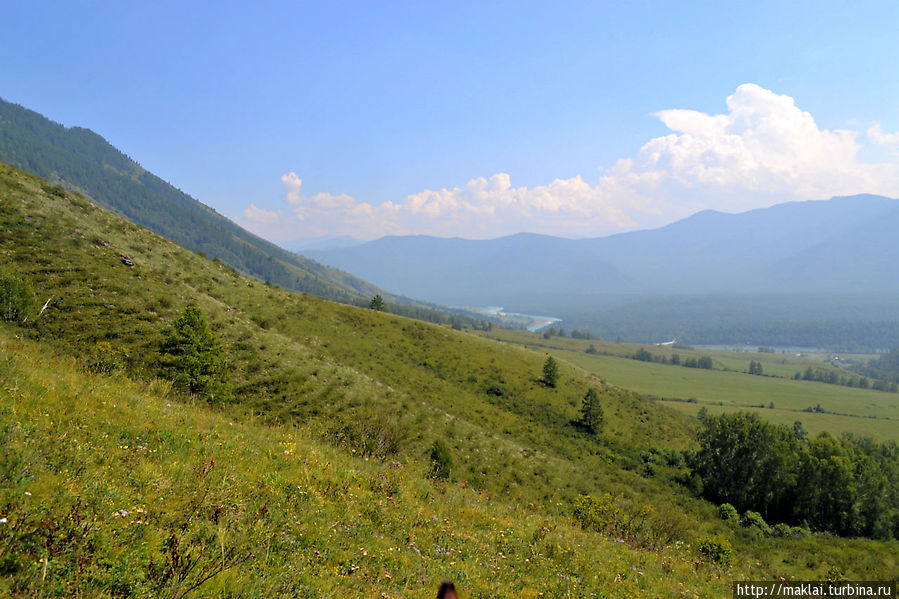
(497, 390)
(441, 461)
(728, 513)
(17, 301)
(717, 550)
(753, 520)
(377, 435)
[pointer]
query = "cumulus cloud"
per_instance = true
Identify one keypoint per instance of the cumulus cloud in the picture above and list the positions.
(762, 150)
(261, 216)
(876, 134)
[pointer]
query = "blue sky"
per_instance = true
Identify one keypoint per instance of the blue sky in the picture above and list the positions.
(370, 104)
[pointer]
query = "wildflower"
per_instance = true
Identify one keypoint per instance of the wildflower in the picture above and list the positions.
(27, 493)
(3, 520)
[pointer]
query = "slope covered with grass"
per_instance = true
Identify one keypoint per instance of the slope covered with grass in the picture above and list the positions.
(80, 159)
(356, 372)
(115, 487)
(319, 485)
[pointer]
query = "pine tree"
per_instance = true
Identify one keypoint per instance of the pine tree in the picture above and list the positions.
(196, 361)
(551, 372)
(377, 303)
(591, 412)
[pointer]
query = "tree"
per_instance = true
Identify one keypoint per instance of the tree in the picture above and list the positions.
(17, 301)
(755, 368)
(550, 372)
(591, 412)
(441, 460)
(196, 361)
(377, 304)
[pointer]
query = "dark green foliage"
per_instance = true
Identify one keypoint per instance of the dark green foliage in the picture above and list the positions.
(551, 372)
(441, 460)
(717, 550)
(591, 412)
(756, 368)
(832, 377)
(497, 390)
(17, 300)
(377, 303)
(643, 355)
(755, 521)
(704, 362)
(845, 486)
(196, 361)
(728, 513)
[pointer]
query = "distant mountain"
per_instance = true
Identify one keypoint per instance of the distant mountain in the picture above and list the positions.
(841, 245)
(461, 271)
(82, 160)
(321, 243)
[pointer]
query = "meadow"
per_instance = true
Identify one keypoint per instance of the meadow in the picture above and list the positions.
(728, 387)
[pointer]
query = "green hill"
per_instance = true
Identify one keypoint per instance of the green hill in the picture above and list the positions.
(80, 159)
(321, 457)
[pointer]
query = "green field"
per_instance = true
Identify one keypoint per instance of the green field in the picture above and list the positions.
(858, 411)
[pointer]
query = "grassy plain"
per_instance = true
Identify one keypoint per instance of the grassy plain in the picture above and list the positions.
(858, 411)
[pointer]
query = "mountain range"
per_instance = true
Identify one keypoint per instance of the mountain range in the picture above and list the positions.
(845, 244)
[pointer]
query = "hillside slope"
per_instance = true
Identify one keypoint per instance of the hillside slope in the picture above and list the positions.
(300, 358)
(319, 485)
(81, 159)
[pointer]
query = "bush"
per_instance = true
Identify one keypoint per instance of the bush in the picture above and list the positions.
(754, 520)
(717, 550)
(377, 435)
(496, 390)
(441, 461)
(728, 513)
(17, 301)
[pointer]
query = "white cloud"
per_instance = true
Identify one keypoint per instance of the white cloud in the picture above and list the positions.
(261, 216)
(876, 134)
(763, 150)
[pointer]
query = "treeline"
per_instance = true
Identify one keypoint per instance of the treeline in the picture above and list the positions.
(448, 317)
(560, 332)
(704, 362)
(832, 377)
(847, 486)
(885, 368)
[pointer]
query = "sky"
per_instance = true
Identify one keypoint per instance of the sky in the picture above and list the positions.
(473, 119)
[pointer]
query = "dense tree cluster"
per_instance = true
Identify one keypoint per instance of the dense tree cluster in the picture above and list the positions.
(704, 362)
(848, 486)
(832, 377)
(885, 368)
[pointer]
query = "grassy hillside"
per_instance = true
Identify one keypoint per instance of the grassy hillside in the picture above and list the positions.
(300, 358)
(728, 387)
(113, 487)
(319, 481)
(80, 159)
